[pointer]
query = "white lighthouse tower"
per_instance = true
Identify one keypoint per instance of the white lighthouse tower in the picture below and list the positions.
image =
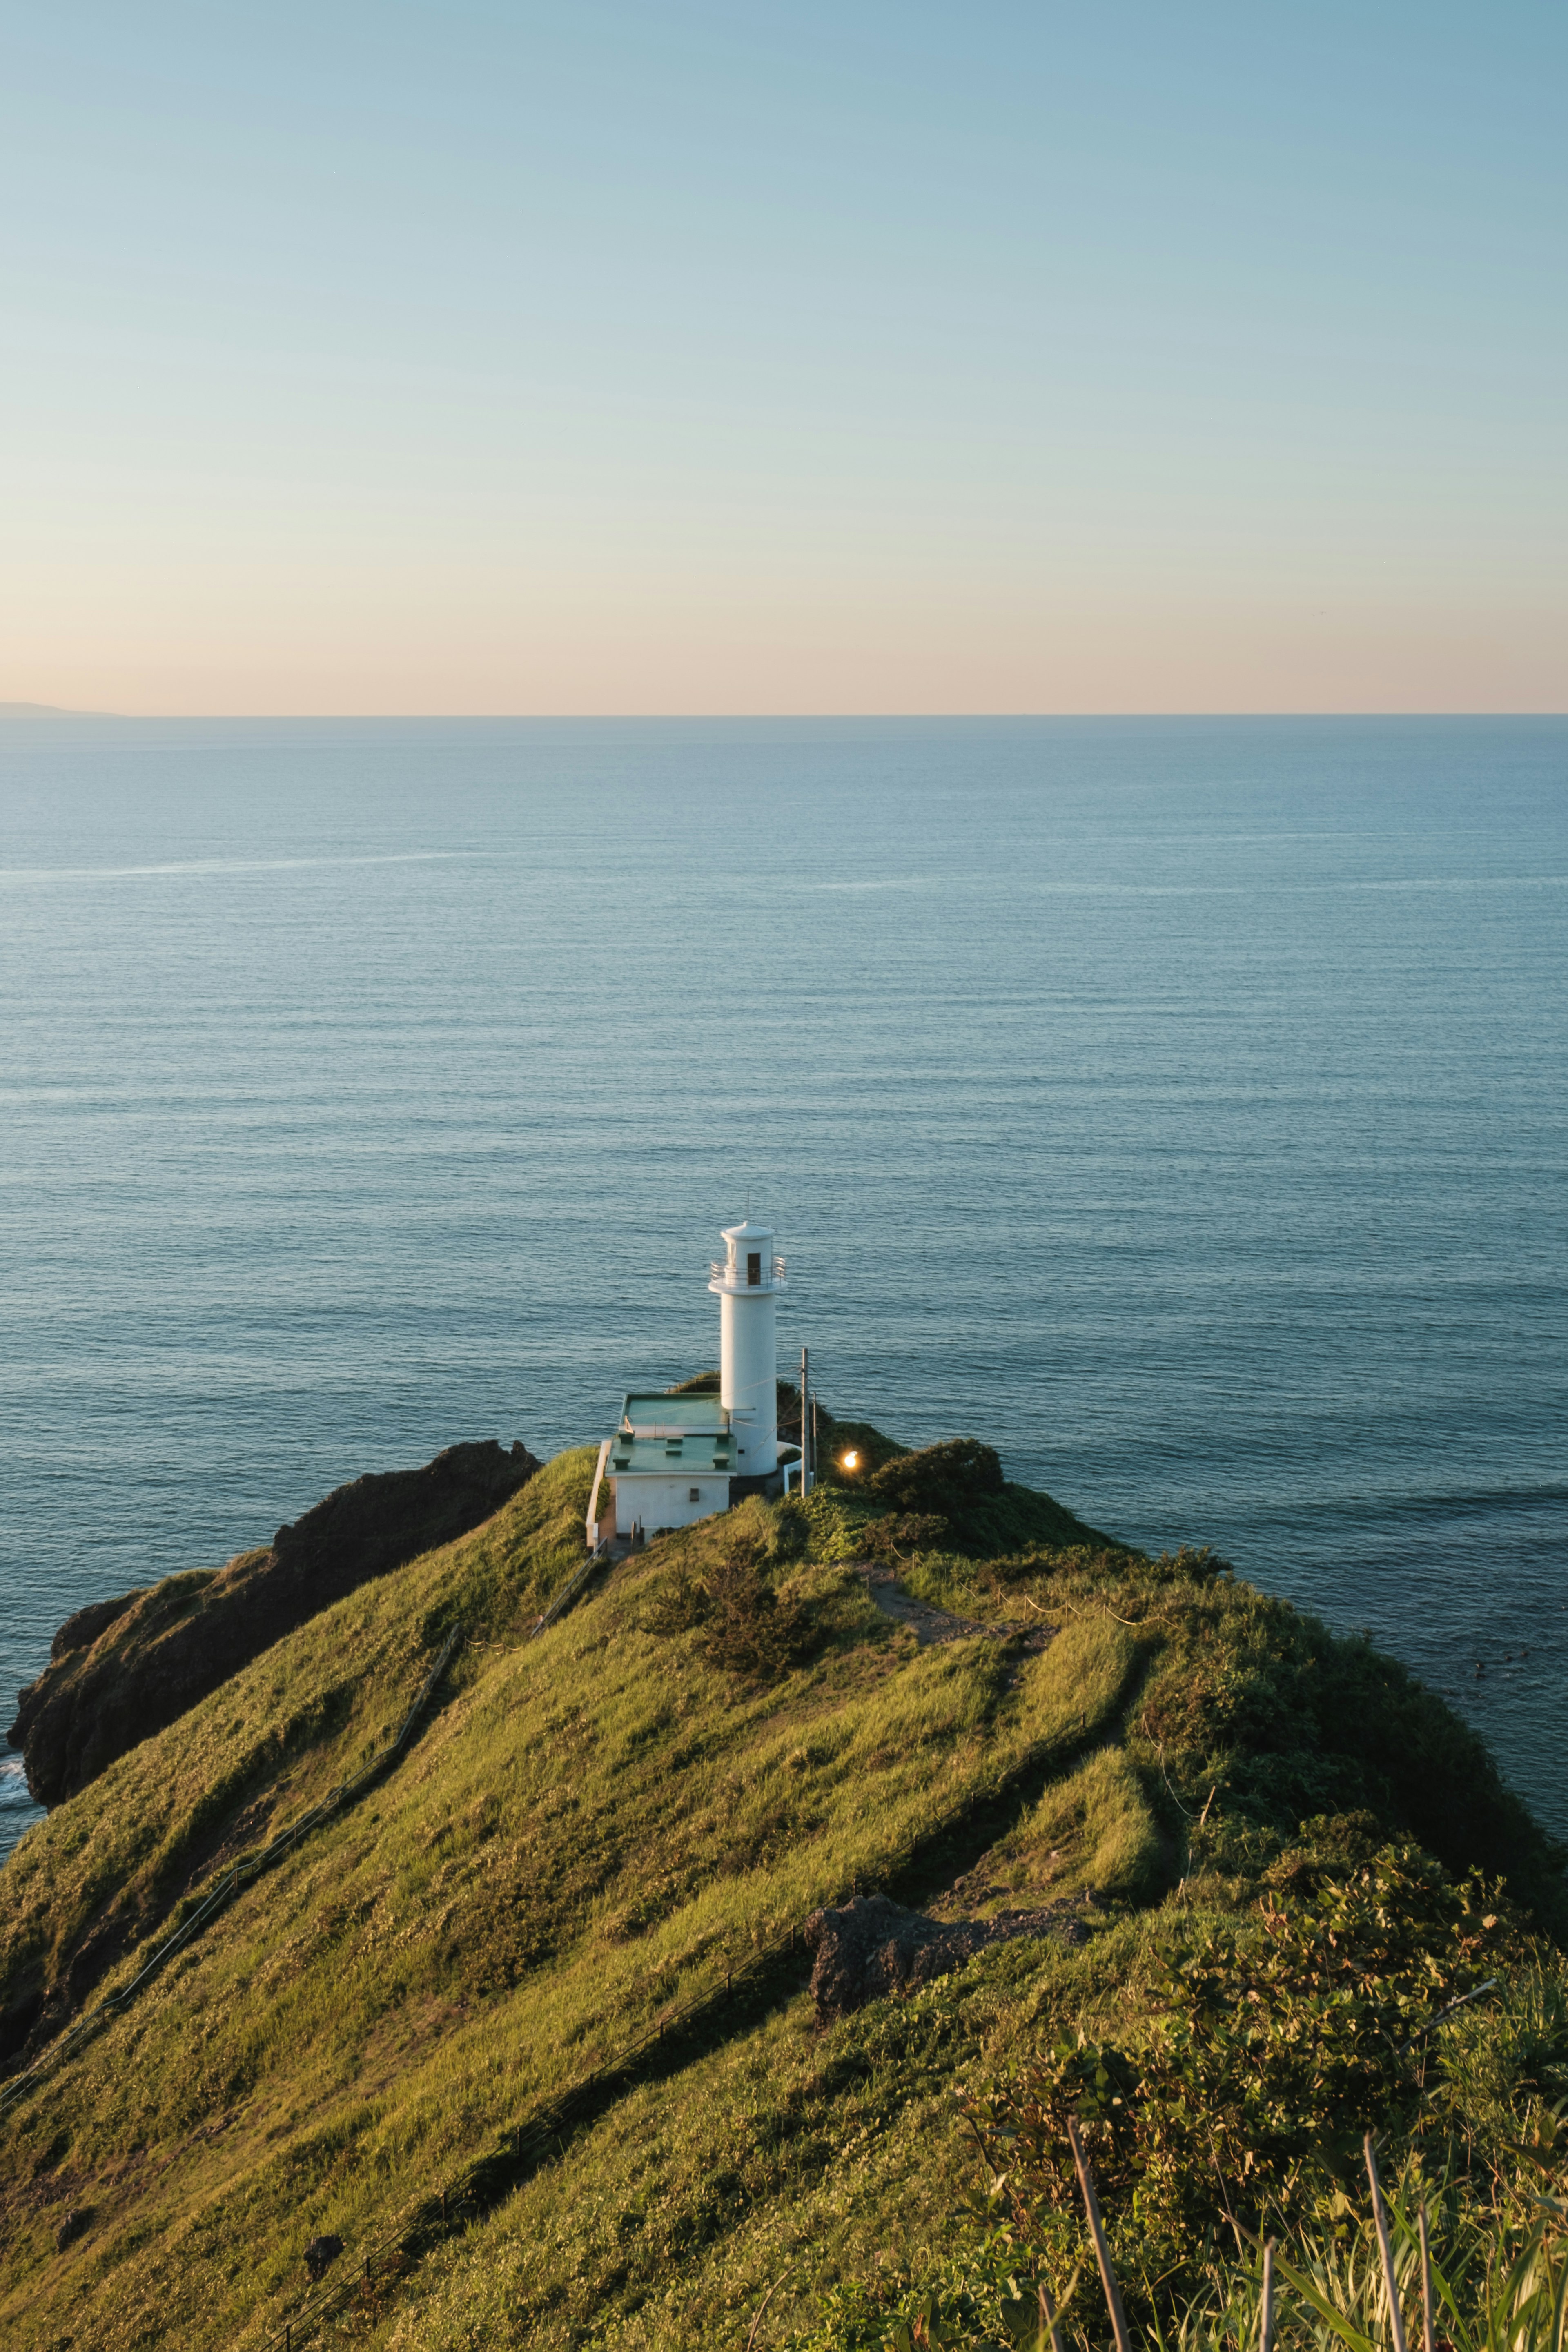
(748, 1280)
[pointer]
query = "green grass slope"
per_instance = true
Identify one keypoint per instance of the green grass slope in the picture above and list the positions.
(90, 1881)
(595, 1827)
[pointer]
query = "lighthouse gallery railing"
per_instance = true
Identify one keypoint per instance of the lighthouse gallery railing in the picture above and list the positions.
(734, 1277)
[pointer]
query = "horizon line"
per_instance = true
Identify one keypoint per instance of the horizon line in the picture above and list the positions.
(19, 710)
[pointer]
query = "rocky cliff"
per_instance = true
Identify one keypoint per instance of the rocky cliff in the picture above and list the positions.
(120, 1670)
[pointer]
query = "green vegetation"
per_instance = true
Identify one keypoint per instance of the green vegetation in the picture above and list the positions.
(1497, 2284)
(93, 1881)
(596, 1826)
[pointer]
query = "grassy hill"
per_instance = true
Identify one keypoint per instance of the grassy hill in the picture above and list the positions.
(589, 1875)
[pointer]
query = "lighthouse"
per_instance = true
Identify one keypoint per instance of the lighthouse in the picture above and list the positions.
(748, 1280)
(680, 1454)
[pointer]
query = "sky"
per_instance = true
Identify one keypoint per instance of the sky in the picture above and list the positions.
(702, 356)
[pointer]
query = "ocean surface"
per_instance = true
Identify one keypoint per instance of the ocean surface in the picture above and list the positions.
(1182, 1106)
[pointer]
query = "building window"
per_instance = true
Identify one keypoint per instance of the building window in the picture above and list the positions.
(696, 1493)
(754, 1269)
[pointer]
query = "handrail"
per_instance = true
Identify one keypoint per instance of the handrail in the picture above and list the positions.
(734, 1277)
(560, 1602)
(667, 1429)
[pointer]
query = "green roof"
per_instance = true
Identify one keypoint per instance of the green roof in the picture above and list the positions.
(697, 1452)
(648, 1409)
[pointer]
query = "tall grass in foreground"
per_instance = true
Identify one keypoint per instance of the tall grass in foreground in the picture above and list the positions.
(1416, 2272)
(1497, 2286)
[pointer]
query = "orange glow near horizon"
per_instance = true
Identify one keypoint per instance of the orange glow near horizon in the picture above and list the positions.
(364, 649)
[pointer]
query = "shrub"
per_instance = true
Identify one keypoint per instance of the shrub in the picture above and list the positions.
(946, 1479)
(740, 1623)
(791, 1538)
(900, 1536)
(677, 1605)
(748, 1630)
(1493, 2282)
(1266, 2056)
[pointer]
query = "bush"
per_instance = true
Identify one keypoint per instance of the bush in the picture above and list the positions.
(740, 1621)
(900, 1538)
(791, 1529)
(1499, 2283)
(749, 1631)
(675, 1605)
(1267, 2057)
(946, 1479)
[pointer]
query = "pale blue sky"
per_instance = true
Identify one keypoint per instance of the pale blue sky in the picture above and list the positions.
(694, 357)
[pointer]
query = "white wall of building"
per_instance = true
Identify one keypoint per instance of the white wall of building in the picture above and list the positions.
(667, 1502)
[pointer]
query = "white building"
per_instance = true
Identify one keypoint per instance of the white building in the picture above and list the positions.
(674, 1458)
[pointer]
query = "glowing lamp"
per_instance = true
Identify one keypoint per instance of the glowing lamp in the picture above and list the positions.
(851, 1462)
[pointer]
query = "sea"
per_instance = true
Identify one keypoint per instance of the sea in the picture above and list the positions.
(1178, 1104)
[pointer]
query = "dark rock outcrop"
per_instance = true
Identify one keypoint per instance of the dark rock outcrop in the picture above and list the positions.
(873, 1947)
(80, 1631)
(120, 1670)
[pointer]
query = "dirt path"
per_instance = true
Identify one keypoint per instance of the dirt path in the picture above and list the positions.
(930, 1625)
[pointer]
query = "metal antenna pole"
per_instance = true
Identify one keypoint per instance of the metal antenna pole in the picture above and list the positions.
(804, 1439)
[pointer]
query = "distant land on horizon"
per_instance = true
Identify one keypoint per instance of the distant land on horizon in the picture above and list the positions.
(52, 711)
(49, 710)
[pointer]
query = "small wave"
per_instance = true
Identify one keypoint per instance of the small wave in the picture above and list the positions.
(200, 867)
(1065, 886)
(1460, 882)
(1057, 888)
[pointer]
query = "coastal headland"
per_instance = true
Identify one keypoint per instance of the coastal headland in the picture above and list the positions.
(717, 1902)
